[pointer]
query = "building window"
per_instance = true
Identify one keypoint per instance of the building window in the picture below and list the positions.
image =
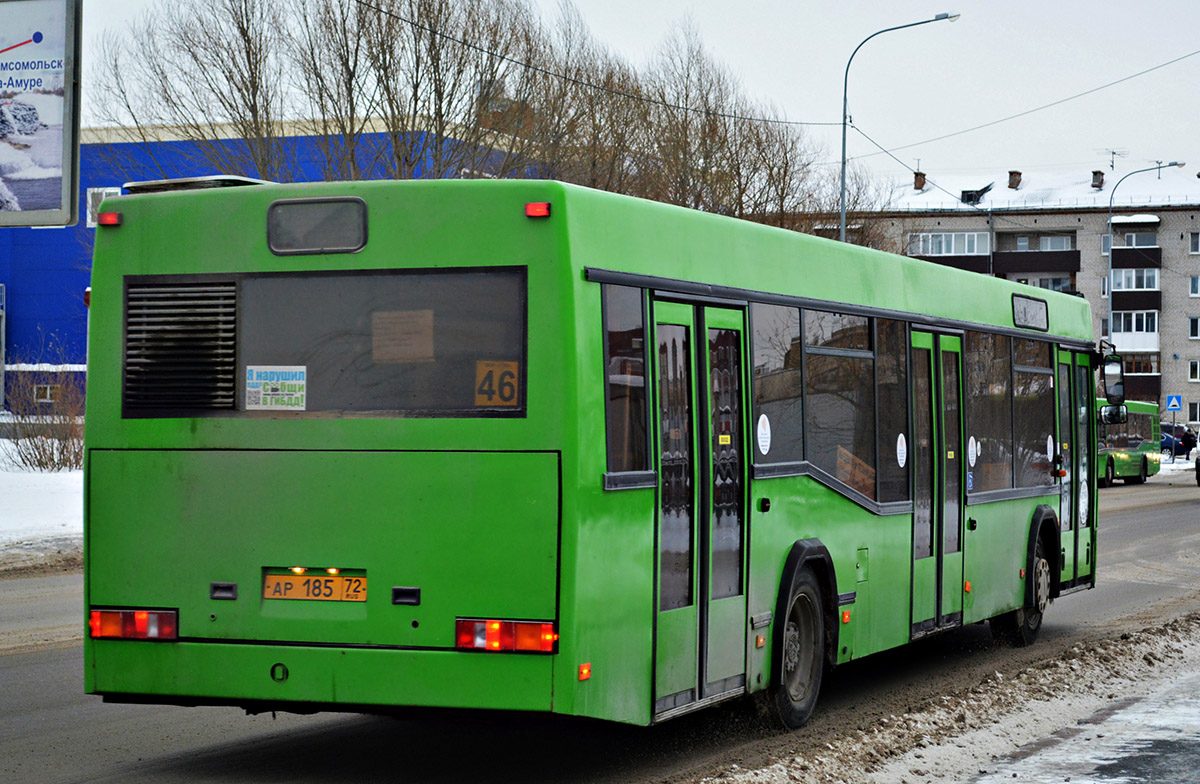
(1135, 279)
(1145, 364)
(1138, 321)
(1055, 242)
(1054, 284)
(1194, 370)
(1194, 328)
(1104, 327)
(1141, 239)
(46, 393)
(1103, 287)
(1022, 243)
(969, 243)
(1194, 412)
(94, 197)
(1195, 246)
(1105, 244)
(1194, 290)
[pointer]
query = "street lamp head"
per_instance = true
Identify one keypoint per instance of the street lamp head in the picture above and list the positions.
(947, 17)
(1180, 164)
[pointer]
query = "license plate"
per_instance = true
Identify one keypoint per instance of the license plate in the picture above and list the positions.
(316, 588)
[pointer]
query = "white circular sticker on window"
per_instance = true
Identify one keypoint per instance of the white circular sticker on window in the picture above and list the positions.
(1050, 448)
(972, 451)
(901, 450)
(764, 434)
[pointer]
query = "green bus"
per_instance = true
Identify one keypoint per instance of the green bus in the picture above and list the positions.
(1129, 450)
(525, 446)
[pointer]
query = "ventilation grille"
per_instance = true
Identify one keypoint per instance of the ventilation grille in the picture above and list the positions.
(180, 340)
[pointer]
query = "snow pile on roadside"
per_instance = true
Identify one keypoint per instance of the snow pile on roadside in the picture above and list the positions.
(1180, 466)
(36, 505)
(957, 736)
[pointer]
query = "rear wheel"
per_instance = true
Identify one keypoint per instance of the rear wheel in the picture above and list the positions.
(1021, 627)
(1110, 475)
(1141, 477)
(802, 652)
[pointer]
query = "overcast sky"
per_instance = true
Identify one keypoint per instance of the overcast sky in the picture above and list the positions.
(1002, 57)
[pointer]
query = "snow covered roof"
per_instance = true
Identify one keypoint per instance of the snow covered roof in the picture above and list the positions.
(1061, 189)
(1134, 219)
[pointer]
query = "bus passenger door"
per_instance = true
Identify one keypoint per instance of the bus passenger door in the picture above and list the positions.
(1066, 457)
(700, 637)
(938, 490)
(1084, 398)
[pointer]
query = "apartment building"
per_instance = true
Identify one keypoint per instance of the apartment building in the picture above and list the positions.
(1050, 230)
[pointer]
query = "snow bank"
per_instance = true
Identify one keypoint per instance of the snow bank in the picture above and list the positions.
(35, 505)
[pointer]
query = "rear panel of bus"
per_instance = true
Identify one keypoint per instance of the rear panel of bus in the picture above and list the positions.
(324, 457)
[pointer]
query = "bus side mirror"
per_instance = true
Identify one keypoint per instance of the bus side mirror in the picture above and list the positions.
(1113, 415)
(1112, 378)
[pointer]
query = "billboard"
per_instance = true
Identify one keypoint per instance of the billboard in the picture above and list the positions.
(39, 112)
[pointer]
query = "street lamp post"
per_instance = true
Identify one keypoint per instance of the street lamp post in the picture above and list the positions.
(1108, 282)
(845, 84)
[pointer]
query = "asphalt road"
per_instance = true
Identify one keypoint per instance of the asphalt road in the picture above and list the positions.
(51, 732)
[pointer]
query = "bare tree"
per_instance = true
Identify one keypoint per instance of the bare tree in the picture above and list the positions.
(209, 72)
(443, 88)
(326, 43)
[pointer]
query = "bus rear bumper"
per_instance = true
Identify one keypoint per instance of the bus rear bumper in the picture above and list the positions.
(307, 678)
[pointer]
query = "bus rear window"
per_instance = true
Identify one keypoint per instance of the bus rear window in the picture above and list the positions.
(425, 343)
(296, 226)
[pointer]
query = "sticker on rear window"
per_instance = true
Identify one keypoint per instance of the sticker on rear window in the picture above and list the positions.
(276, 387)
(496, 383)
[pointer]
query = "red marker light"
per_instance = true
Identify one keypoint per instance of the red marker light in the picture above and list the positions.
(134, 624)
(108, 219)
(845, 616)
(537, 209)
(967, 586)
(532, 636)
(585, 671)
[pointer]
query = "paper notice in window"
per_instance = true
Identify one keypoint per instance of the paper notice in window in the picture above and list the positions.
(401, 336)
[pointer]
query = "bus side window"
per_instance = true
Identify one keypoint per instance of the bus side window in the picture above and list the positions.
(625, 378)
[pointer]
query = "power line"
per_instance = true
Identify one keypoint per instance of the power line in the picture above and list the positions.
(584, 82)
(1036, 109)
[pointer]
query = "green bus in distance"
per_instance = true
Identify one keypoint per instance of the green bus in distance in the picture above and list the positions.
(520, 445)
(1130, 450)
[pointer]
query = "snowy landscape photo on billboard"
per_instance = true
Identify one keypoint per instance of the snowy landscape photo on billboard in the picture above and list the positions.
(32, 76)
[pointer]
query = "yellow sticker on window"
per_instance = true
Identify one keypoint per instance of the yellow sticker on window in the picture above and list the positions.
(950, 455)
(496, 383)
(724, 440)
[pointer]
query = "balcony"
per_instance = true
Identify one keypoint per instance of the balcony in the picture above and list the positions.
(1137, 300)
(1135, 342)
(1136, 258)
(1008, 262)
(1143, 387)
(970, 263)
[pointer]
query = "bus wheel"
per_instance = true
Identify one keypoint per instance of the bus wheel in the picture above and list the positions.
(1110, 475)
(802, 652)
(1140, 479)
(1021, 627)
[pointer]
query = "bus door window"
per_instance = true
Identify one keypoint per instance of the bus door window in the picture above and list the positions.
(675, 542)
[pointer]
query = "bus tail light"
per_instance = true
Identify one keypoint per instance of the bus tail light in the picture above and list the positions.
(537, 209)
(134, 624)
(108, 219)
(493, 635)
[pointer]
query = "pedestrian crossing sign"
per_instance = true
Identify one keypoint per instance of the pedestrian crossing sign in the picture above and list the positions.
(1174, 402)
